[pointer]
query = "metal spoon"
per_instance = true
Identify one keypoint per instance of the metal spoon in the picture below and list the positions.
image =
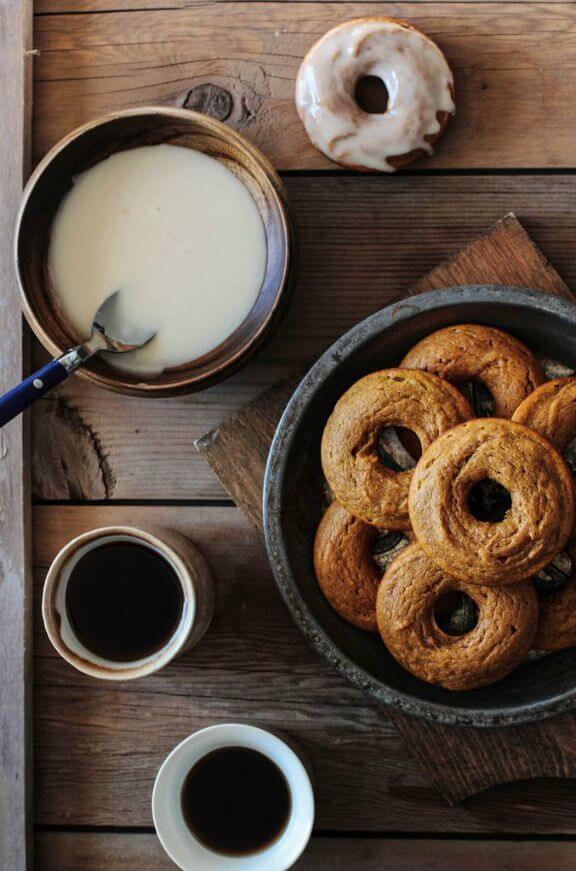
(105, 336)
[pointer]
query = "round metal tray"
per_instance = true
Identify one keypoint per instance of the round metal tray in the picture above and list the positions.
(294, 494)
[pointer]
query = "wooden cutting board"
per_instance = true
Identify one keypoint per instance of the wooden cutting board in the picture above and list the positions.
(461, 761)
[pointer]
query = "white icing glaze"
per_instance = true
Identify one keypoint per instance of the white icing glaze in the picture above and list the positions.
(416, 75)
(181, 238)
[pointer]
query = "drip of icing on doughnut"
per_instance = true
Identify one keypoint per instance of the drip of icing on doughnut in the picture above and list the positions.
(416, 75)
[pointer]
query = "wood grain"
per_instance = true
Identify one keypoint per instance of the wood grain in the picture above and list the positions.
(513, 67)
(363, 241)
(98, 746)
(470, 759)
(15, 580)
(92, 852)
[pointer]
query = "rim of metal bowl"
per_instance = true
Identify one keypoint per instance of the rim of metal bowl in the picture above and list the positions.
(330, 360)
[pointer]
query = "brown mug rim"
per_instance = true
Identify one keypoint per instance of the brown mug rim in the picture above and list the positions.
(178, 641)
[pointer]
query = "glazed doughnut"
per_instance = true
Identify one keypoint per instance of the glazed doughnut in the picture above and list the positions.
(417, 77)
(469, 352)
(418, 401)
(346, 570)
(551, 411)
(405, 602)
(534, 528)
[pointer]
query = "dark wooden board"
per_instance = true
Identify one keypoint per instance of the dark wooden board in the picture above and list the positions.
(461, 762)
(95, 851)
(15, 577)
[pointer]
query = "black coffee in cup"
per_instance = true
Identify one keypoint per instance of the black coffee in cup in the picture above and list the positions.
(124, 601)
(236, 801)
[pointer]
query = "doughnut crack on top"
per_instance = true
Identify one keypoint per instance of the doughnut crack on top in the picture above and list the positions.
(471, 352)
(417, 78)
(415, 400)
(533, 530)
(495, 646)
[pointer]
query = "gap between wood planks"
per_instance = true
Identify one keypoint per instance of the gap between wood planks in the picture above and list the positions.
(334, 834)
(101, 7)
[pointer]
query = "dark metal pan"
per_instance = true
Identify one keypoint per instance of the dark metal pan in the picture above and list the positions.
(294, 498)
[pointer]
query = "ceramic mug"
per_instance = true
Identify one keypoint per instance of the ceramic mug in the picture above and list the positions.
(184, 848)
(181, 555)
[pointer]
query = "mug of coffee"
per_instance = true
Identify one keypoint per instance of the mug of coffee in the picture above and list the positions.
(121, 603)
(233, 797)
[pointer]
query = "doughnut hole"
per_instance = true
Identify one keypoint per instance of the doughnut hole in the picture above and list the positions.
(371, 95)
(387, 547)
(489, 501)
(554, 575)
(455, 613)
(398, 448)
(569, 455)
(479, 397)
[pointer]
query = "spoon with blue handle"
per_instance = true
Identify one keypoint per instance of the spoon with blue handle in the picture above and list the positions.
(106, 336)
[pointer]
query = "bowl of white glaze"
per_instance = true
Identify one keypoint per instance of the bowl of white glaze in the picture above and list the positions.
(114, 138)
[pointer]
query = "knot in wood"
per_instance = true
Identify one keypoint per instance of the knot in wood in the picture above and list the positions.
(211, 100)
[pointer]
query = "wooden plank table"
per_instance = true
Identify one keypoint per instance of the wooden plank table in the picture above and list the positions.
(15, 562)
(103, 459)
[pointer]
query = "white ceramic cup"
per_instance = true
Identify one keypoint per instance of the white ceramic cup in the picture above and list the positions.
(190, 568)
(184, 848)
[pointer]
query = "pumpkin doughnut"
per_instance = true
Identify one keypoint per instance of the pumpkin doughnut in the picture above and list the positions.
(416, 400)
(551, 411)
(415, 73)
(345, 567)
(507, 619)
(469, 352)
(534, 528)
(557, 610)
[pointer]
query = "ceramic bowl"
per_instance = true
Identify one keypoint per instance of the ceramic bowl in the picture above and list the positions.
(294, 498)
(92, 143)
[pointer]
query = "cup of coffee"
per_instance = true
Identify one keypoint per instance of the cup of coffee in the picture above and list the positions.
(233, 796)
(121, 603)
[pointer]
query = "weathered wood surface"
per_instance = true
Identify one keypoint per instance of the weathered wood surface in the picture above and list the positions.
(98, 746)
(363, 241)
(513, 64)
(93, 852)
(15, 577)
(461, 762)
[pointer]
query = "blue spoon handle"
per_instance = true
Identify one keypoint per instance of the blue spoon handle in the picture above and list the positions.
(19, 398)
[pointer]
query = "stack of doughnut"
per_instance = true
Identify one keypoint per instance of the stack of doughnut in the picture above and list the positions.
(454, 550)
